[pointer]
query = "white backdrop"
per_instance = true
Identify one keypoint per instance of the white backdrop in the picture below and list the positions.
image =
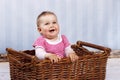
(95, 21)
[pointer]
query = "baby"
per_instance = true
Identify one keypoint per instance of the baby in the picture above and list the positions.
(51, 44)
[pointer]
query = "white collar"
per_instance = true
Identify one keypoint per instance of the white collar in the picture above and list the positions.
(58, 40)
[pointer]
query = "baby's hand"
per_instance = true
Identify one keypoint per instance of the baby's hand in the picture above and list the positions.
(73, 57)
(53, 57)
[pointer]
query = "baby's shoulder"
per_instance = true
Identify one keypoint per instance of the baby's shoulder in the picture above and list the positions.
(40, 38)
(63, 36)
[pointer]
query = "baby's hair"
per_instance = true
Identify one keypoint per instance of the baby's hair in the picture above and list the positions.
(43, 14)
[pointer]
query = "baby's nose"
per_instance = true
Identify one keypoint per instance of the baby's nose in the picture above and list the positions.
(51, 25)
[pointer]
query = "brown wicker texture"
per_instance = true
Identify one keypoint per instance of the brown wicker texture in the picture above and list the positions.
(90, 66)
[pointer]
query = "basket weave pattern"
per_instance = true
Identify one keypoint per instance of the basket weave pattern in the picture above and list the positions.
(24, 65)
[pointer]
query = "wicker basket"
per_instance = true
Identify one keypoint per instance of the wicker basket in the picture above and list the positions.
(90, 66)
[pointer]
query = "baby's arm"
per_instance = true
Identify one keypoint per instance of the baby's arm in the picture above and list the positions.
(42, 54)
(70, 53)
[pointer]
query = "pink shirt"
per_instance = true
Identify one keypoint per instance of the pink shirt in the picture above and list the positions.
(58, 48)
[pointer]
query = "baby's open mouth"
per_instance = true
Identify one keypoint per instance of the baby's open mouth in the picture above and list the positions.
(51, 30)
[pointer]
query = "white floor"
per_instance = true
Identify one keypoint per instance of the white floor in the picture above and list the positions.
(4, 71)
(113, 70)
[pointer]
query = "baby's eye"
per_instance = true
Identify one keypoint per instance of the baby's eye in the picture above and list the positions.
(46, 23)
(54, 22)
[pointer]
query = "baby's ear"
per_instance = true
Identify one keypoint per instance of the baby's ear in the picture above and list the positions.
(39, 29)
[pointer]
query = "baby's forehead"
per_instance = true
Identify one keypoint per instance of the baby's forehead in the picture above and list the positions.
(48, 17)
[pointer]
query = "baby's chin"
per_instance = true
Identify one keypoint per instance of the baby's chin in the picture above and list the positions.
(52, 36)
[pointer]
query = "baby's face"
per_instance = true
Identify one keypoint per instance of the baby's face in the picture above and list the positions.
(48, 26)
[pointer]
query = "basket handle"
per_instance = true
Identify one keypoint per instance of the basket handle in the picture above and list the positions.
(82, 43)
(13, 54)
